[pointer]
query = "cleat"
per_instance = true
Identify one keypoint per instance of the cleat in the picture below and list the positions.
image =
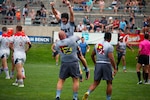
(21, 85)
(147, 83)
(57, 98)
(15, 84)
(11, 76)
(87, 75)
(85, 97)
(7, 77)
(75, 99)
(140, 82)
(124, 70)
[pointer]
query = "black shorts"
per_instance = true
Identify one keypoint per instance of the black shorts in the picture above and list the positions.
(55, 53)
(143, 59)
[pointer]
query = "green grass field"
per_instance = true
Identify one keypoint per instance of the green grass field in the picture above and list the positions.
(42, 76)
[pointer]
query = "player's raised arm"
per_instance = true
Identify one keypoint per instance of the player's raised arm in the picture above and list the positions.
(55, 12)
(70, 10)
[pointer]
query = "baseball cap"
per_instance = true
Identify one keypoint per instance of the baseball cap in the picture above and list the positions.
(121, 37)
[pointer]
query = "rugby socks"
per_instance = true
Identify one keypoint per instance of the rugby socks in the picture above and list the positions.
(108, 97)
(1, 70)
(139, 76)
(86, 69)
(146, 77)
(23, 72)
(89, 91)
(6, 72)
(12, 74)
(143, 74)
(75, 95)
(58, 92)
(124, 67)
(20, 81)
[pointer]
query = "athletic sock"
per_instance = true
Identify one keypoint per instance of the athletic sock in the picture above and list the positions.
(20, 81)
(6, 72)
(89, 91)
(86, 69)
(75, 95)
(143, 74)
(108, 97)
(146, 77)
(1, 70)
(58, 92)
(124, 67)
(139, 76)
(11, 73)
(23, 72)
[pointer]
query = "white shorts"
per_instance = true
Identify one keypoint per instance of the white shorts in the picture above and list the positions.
(19, 57)
(4, 53)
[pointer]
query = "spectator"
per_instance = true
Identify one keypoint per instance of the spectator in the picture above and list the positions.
(131, 22)
(101, 5)
(96, 24)
(128, 6)
(3, 12)
(110, 24)
(13, 8)
(135, 5)
(145, 28)
(103, 23)
(37, 18)
(80, 27)
(9, 16)
(85, 33)
(32, 14)
(122, 25)
(25, 12)
(116, 23)
(86, 20)
(89, 5)
(116, 5)
(43, 14)
(18, 15)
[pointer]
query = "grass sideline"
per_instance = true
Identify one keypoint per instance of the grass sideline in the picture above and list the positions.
(42, 76)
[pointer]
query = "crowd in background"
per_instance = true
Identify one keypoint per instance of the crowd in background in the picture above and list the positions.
(12, 14)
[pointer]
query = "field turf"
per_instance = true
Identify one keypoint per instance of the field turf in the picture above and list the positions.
(42, 76)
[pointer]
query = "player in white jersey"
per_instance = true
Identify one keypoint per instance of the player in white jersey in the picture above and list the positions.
(5, 51)
(67, 25)
(103, 59)
(19, 41)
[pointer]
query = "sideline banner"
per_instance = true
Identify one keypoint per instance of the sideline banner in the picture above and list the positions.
(91, 38)
(40, 39)
(133, 39)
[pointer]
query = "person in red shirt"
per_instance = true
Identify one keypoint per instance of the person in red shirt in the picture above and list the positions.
(116, 23)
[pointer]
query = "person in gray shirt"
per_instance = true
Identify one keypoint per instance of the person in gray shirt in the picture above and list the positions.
(67, 48)
(103, 58)
(68, 26)
(121, 52)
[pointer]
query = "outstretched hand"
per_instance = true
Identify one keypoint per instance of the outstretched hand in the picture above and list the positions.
(52, 3)
(66, 2)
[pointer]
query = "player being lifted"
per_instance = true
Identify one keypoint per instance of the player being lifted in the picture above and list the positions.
(68, 26)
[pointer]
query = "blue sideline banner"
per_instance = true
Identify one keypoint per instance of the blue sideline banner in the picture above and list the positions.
(40, 39)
